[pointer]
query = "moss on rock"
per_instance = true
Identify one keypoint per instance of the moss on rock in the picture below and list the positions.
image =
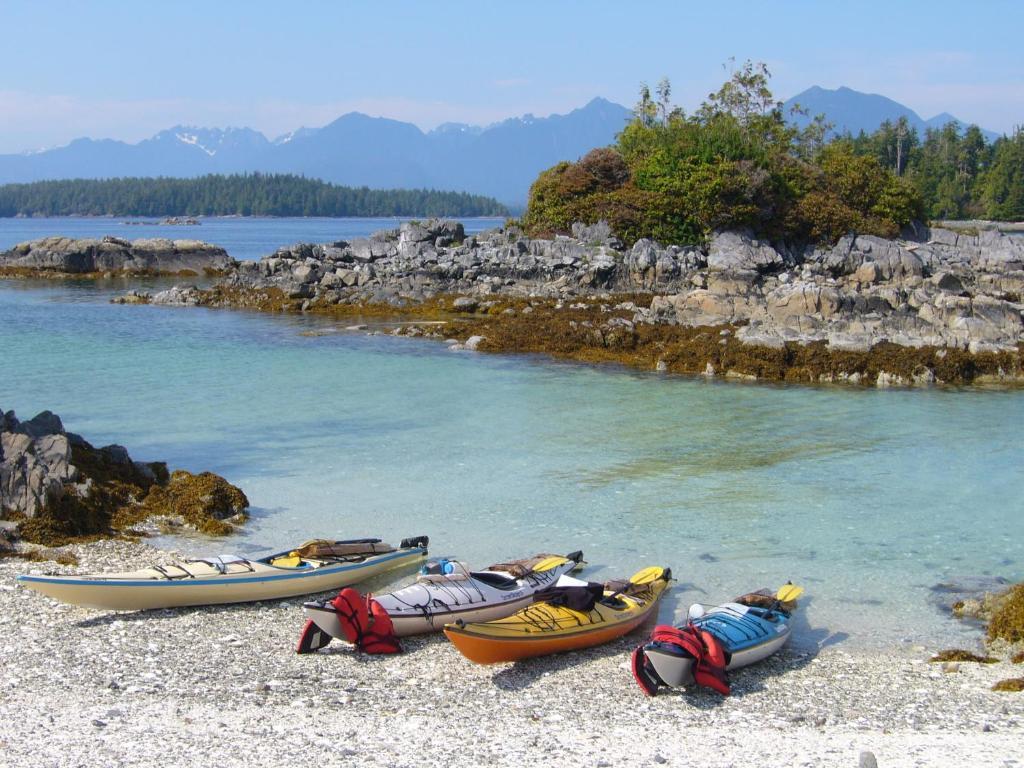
(205, 502)
(959, 654)
(1012, 685)
(1007, 619)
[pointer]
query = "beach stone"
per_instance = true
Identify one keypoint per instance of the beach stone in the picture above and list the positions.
(474, 341)
(465, 304)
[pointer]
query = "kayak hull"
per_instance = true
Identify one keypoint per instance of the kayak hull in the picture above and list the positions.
(676, 670)
(491, 650)
(542, 628)
(257, 580)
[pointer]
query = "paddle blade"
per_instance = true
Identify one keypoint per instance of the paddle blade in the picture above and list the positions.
(788, 593)
(312, 638)
(548, 563)
(650, 575)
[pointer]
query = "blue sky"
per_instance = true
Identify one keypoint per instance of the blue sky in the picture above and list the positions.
(128, 69)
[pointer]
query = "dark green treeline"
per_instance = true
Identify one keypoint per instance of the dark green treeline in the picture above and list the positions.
(253, 194)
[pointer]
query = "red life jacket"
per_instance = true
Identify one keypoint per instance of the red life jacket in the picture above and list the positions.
(380, 637)
(709, 671)
(709, 660)
(365, 622)
(352, 614)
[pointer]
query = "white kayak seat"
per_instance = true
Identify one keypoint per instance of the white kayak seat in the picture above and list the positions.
(737, 609)
(565, 580)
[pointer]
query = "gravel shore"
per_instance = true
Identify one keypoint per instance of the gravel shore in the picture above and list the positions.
(222, 686)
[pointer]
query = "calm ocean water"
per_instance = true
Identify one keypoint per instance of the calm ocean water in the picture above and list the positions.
(867, 498)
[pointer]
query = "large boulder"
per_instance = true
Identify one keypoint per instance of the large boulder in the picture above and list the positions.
(111, 254)
(739, 252)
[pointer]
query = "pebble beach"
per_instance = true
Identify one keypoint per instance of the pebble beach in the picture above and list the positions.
(222, 686)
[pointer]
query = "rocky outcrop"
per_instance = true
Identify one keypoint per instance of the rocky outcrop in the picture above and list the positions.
(64, 255)
(35, 463)
(943, 289)
(59, 486)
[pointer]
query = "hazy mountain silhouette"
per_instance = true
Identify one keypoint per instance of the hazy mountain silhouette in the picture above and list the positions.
(501, 160)
(853, 111)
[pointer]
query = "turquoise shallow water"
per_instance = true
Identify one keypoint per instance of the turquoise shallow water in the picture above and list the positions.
(868, 498)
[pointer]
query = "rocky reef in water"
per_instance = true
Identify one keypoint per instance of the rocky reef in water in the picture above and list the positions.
(56, 487)
(150, 256)
(937, 305)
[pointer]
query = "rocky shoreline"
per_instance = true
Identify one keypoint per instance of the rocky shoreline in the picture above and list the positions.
(936, 307)
(939, 306)
(84, 687)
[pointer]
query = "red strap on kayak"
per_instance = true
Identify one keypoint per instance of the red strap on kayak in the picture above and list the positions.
(312, 638)
(644, 675)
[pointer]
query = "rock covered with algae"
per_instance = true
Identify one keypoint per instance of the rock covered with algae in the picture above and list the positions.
(58, 487)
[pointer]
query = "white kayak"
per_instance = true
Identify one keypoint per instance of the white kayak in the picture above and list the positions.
(316, 566)
(446, 591)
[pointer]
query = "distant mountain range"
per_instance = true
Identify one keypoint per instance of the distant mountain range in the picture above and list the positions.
(500, 160)
(853, 111)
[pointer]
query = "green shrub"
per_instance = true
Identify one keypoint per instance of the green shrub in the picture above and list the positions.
(734, 164)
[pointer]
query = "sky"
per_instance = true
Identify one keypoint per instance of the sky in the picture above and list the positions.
(127, 70)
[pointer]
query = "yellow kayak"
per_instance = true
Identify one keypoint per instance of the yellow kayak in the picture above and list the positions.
(565, 620)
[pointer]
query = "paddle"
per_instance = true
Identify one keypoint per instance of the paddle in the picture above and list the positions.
(788, 593)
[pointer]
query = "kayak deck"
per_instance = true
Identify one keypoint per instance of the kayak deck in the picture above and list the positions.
(219, 580)
(544, 628)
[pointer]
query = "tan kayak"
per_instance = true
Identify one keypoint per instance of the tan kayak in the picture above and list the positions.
(313, 567)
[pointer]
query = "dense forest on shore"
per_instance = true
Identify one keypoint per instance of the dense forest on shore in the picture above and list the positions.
(738, 163)
(958, 173)
(254, 194)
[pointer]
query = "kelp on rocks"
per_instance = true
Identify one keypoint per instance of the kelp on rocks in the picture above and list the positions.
(205, 502)
(110, 494)
(1007, 620)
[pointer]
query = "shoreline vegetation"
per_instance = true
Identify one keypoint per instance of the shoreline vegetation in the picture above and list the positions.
(255, 194)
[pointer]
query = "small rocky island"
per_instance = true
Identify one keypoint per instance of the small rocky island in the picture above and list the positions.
(58, 256)
(936, 305)
(56, 487)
